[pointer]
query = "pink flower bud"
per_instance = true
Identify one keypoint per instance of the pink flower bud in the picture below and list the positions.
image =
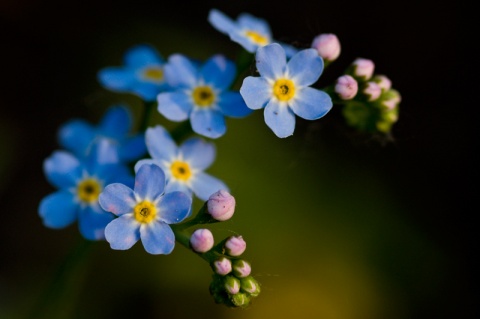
(235, 245)
(222, 266)
(372, 90)
(382, 82)
(363, 68)
(201, 240)
(241, 268)
(221, 205)
(346, 87)
(327, 46)
(232, 285)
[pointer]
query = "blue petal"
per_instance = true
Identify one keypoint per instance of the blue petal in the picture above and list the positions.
(311, 104)
(58, 210)
(305, 67)
(116, 79)
(133, 148)
(117, 199)
(177, 186)
(157, 238)
(62, 169)
(175, 106)
(180, 71)
(290, 50)
(92, 222)
(256, 91)
(116, 122)
(219, 72)
(280, 119)
(249, 22)
(102, 152)
(220, 21)
(233, 105)
(147, 91)
(160, 163)
(199, 153)
(160, 144)
(76, 136)
(240, 38)
(118, 173)
(142, 55)
(204, 185)
(208, 122)
(174, 207)
(149, 182)
(271, 61)
(123, 232)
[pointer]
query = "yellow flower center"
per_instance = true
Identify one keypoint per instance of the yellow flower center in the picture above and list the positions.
(256, 37)
(88, 190)
(145, 212)
(154, 74)
(284, 89)
(181, 170)
(203, 96)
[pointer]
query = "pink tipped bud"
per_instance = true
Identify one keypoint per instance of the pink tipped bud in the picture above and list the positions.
(346, 87)
(222, 266)
(241, 268)
(363, 68)
(382, 82)
(201, 240)
(327, 46)
(221, 205)
(232, 285)
(235, 245)
(372, 90)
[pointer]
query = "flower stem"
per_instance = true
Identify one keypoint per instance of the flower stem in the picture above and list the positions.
(147, 113)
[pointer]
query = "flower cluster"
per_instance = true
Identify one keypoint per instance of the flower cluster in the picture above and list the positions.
(123, 187)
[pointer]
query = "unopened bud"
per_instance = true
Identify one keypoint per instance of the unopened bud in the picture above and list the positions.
(363, 69)
(221, 205)
(391, 99)
(241, 268)
(346, 87)
(222, 266)
(383, 82)
(372, 91)
(241, 299)
(327, 46)
(250, 285)
(235, 245)
(201, 240)
(232, 285)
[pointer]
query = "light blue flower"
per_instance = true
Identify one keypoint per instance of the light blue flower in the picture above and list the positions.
(183, 166)
(142, 74)
(144, 212)
(283, 88)
(77, 135)
(201, 94)
(248, 31)
(80, 182)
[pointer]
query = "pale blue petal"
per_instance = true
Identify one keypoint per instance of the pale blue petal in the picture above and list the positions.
(76, 136)
(116, 79)
(220, 21)
(175, 106)
(58, 210)
(180, 71)
(123, 232)
(150, 161)
(142, 55)
(160, 144)
(102, 152)
(62, 169)
(147, 91)
(149, 182)
(209, 123)
(311, 104)
(305, 67)
(119, 173)
(219, 72)
(249, 22)
(271, 61)
(232, 104)
(174, 207)
(256, 92)
(280, 119)
(117, 199)
(92, 222)
(116, 122)
(157, 238)
(177, 186)
(290, 50)
(240, 38)
(133, 148)
(204, 185)
(199, 153)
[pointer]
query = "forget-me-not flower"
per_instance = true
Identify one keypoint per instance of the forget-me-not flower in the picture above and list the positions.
(77, 135)
(248, 31)
(283, 89)
(142, 73)
(201, 94)
(184, 165)
(145, 212)
(80, 182)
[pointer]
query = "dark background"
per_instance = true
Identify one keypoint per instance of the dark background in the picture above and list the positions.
(51, 51)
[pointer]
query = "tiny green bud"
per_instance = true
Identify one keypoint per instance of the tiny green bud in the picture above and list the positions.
(240, 300)
(250, 285)
(232, 284)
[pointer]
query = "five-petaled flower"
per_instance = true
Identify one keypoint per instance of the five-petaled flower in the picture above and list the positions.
(283, 89)
(183, 166)
(145, 212)
(201, 94)
(142, 74)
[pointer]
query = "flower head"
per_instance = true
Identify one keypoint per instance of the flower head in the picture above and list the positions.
(201, 240)
(80, 182)
(78, 135)
(327, 46)
(283, 88)
(145, 212)
(221, 205)
(248, 31)
(142, 73)
(184, 165)
(346, 87)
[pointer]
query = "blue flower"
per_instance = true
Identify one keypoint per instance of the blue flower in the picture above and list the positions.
(144, 212)
(77, 136)
(142, 74)
(183, 166)
(201, 94)
(80, 182)
(283, 88)
(248, 31)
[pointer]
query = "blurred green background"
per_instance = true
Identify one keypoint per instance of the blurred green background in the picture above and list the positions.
(338, 225)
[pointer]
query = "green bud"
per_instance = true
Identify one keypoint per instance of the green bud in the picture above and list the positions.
(231, 284)
(250, 285)
(240, 300)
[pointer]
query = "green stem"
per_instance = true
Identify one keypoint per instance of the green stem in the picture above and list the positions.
(147, 113)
